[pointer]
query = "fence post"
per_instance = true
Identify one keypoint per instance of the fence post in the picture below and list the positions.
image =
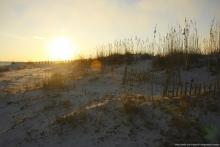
(152, 92)
(173, 89)
(181, 90)
(210, 89)
(214, 90)
(167, 82)
(190, 88)
(200, 89)
(125, 75)
(204, 88)
(195, 90)
(185, 92)
(177, 91)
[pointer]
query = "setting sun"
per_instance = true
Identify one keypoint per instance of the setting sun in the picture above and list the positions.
(61, 48)
(109, 73)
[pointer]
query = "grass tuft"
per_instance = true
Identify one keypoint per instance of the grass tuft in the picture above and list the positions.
(56, 81)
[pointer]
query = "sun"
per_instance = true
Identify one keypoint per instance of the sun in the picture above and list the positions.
(61, 48)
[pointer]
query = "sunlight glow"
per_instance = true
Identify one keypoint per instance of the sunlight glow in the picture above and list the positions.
(61, 48)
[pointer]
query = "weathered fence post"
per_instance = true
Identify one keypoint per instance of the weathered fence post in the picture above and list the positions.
(173, 89)
(166, 84)
(185, 92)
(195, 90)
(177, 91)
(204, 88)
(200, 89)
(210, 89)
(152, 92)
(214, 90)
(190, 88)
(125, 76)
(181, 90)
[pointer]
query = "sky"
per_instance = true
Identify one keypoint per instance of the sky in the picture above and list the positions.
(27, 26)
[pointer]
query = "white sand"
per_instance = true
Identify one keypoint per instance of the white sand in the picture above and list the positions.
(28, 117)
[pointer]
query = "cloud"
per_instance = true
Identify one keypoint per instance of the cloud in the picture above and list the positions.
(12, 36)
(92, 22)
(39, 37)
(102, 17)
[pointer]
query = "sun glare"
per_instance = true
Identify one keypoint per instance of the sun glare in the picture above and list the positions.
(61, 48)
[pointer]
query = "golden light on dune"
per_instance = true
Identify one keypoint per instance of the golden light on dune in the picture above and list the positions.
(96, 65)
(61, 48)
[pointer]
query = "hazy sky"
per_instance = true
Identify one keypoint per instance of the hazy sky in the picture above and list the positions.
(26, 26)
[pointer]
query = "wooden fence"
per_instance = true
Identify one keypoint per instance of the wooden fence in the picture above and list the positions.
(192, 89)
(139, 76)
(187, 88)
